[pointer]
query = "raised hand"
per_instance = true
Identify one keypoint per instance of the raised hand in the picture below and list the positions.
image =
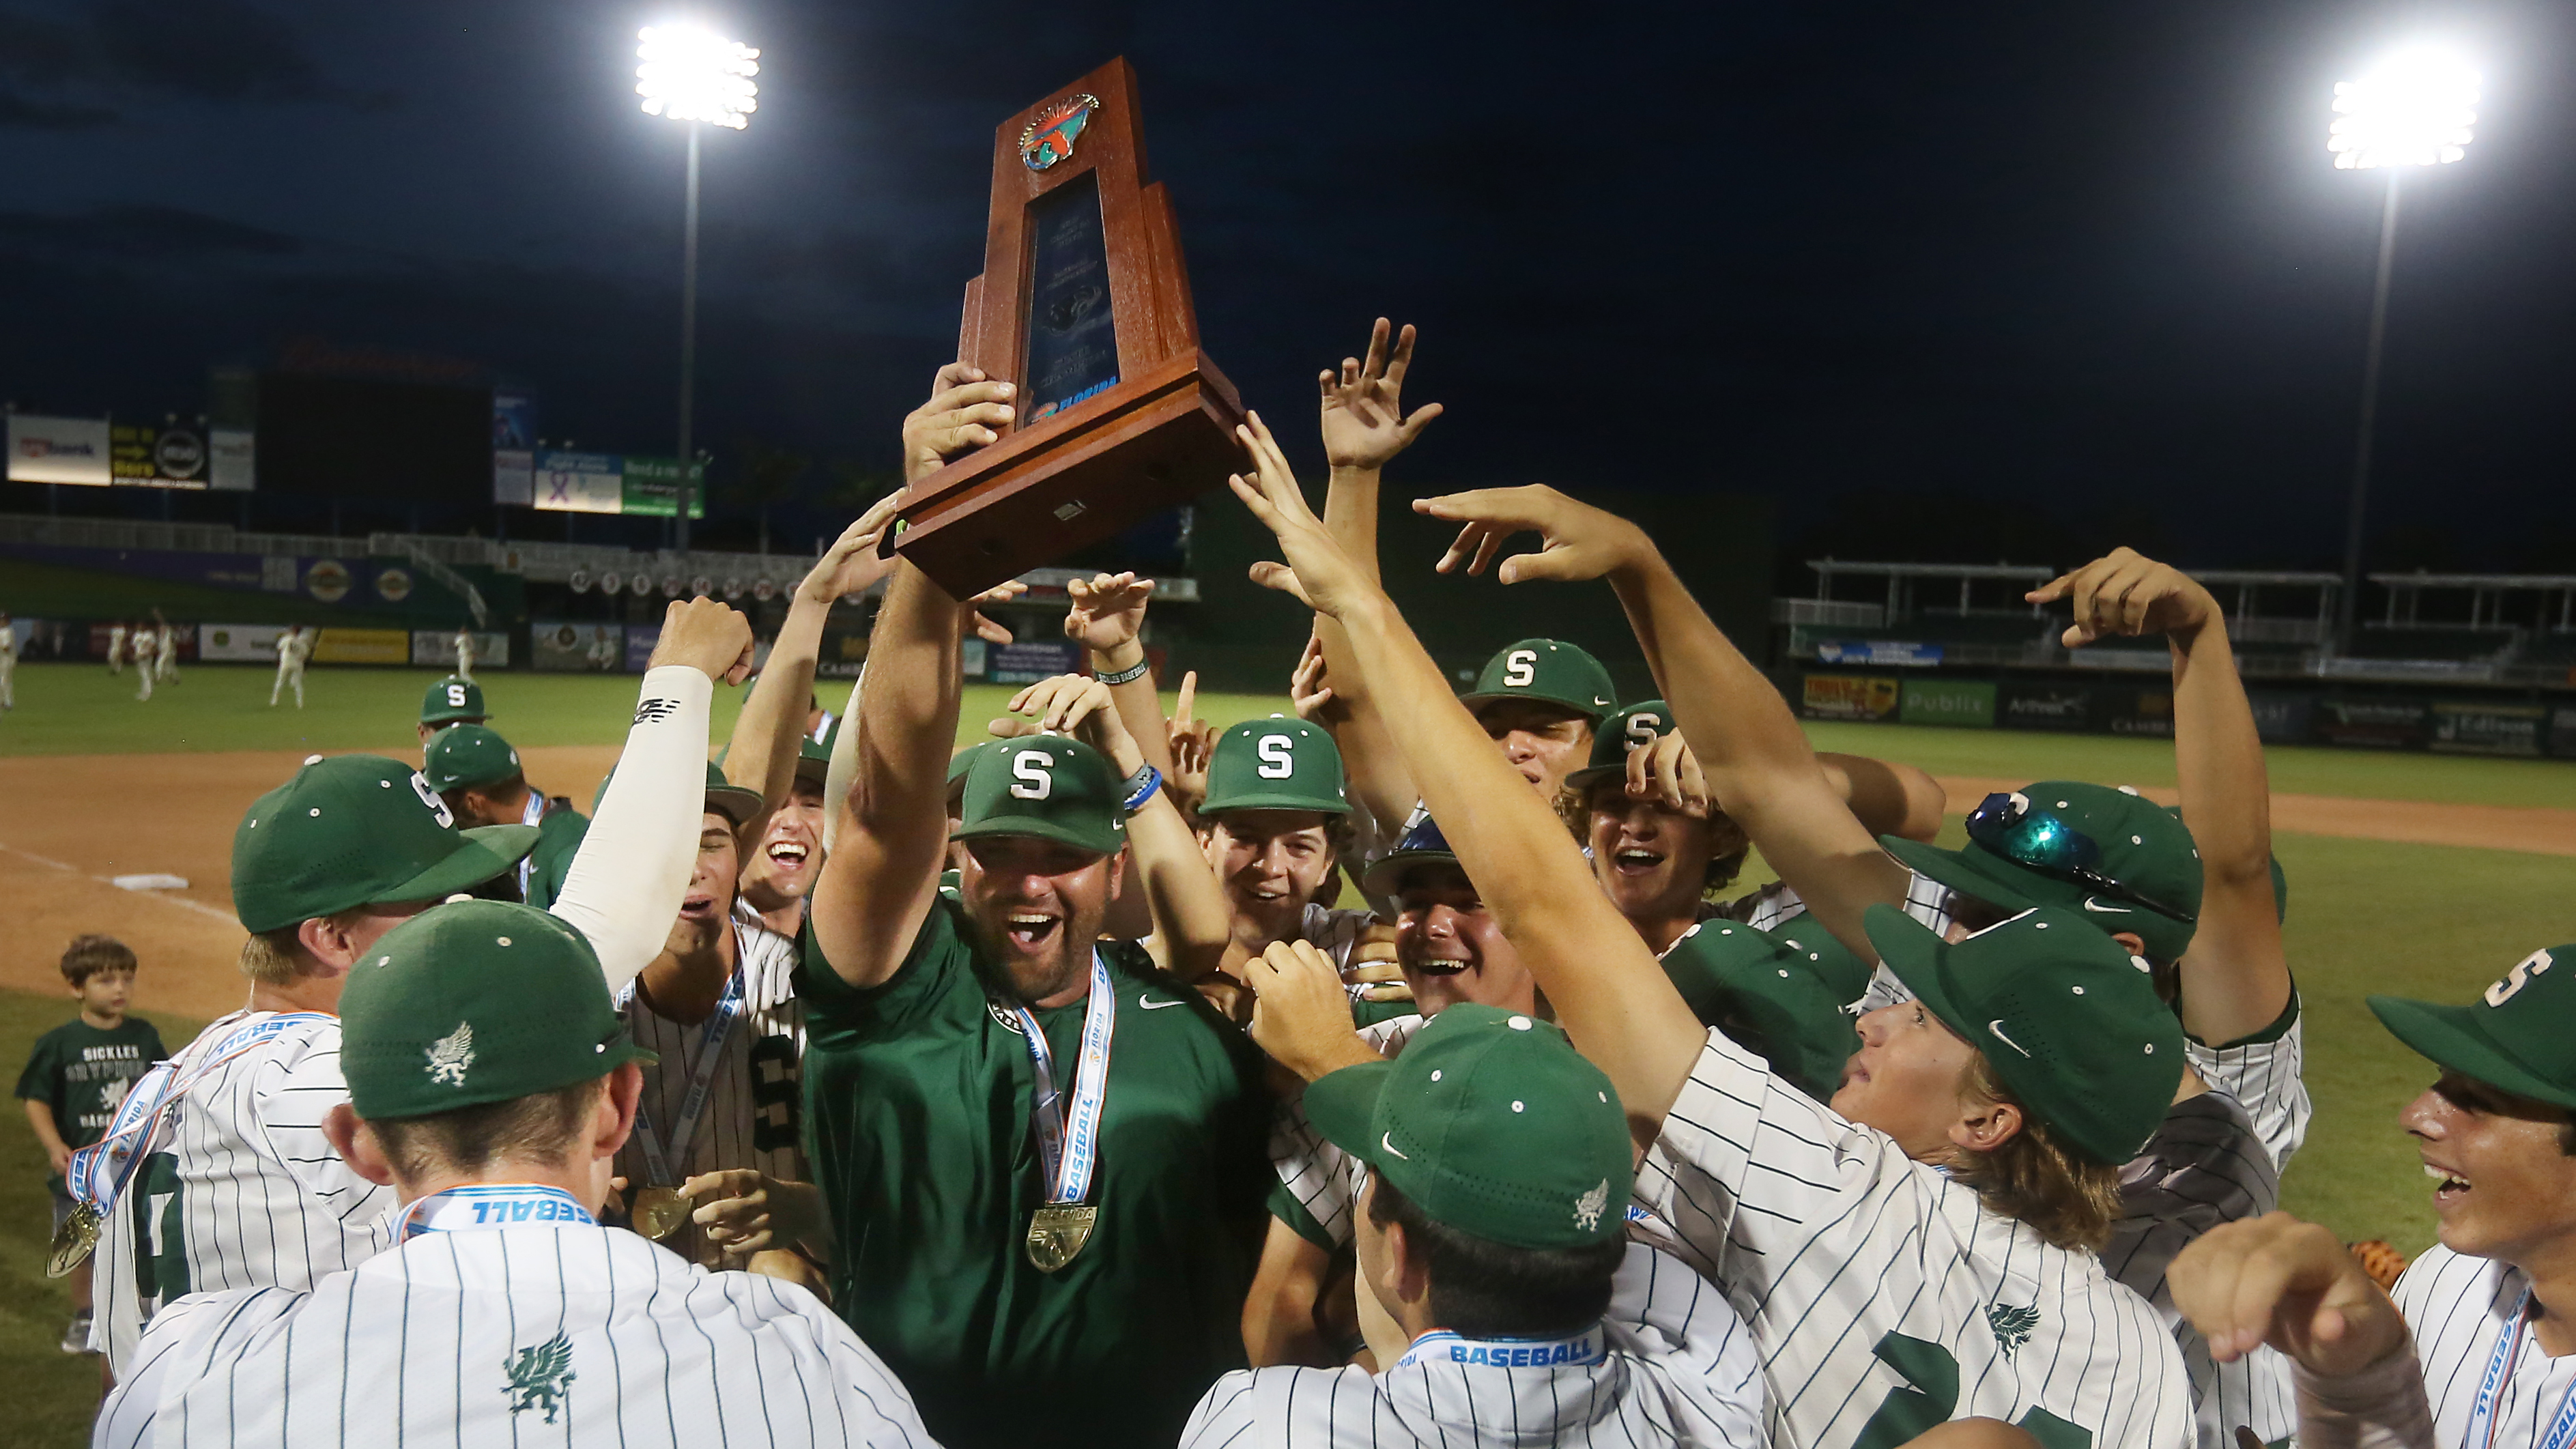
(707, 636)
(1308, 693)
(851, 566)
(1074, 704)
(982, 626)
(1319, 572)
(1667, 773)
(1363, 407)
(2277, 1280)
(1108, 611)
(2124, 592)
(1576, 540)
(1191, 741)
(1301, 1015)
(964, 410)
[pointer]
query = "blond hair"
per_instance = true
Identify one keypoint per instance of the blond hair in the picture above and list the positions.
(278, 958)
(2070, 1201)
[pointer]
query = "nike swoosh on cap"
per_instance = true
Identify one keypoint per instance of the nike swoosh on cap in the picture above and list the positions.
(1153, 1005)
(2107, 910)
(1387, 1141)
(1997, 1027)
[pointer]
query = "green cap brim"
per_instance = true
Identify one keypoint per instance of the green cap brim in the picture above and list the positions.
(1032, 827)
(735, 803)
(1583, 708)
(480, 854)
(2449, 1036)
(1310, 804)
(1343, 1103)
(1913, 950)
(1969, 872)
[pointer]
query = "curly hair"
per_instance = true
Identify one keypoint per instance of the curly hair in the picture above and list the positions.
(2071, 1201)
(1728, 844)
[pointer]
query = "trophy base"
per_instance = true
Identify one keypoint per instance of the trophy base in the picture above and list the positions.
(1045, 490)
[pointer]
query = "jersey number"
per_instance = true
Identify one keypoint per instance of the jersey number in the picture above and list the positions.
(1930, 1396)
(1520, 668)
(774, 1095)
(1276, 761)
(160, 1255)
(1031, 778)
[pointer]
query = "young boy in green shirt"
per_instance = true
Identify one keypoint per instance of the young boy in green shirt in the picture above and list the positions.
(78, 1076)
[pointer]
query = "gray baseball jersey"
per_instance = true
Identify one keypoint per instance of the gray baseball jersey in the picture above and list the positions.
(2264, 1072)
(1671, 1363)
(544, 1332)
(2468, 1316)
(1883, 1297)
(2204, 1166)
(752, 1112)
(1321, 1181)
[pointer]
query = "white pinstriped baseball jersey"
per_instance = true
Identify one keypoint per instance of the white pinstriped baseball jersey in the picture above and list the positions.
(1334, 932)
(245, 1191)
(1880, 1293)
(563, 1333)
(1670, 1364)
(2204, 1166)
(754, 1101)
(2265, 1075)
(1324, 1180)
(2462, 1311)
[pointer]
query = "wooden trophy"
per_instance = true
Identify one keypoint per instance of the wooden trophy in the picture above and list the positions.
(1085, 304)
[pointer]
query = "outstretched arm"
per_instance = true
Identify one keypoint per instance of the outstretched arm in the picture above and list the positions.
(763, 751)
(882, 873)
(1365, 426)
(1755, 756)
(1612, 997)
(2235, 976)
(2277, 1280)
(1887, 798)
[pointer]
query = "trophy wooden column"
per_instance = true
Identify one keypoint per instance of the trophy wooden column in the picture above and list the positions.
(1085, 304)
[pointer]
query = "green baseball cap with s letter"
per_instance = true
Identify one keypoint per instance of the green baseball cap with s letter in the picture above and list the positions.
(1548, 670)
(476, 1002)
(2514, 1036)
(1050, 787)
(1275, 764)
(1491, 1123)
(453, 700)
(1631, 727)
(358, 830)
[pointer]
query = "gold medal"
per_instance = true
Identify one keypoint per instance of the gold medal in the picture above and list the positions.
(1057, 1232)
(77, 1237)
(659, 1211)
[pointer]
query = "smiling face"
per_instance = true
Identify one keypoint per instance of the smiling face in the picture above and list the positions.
(790, 851)
(1651, 861)
(1909, 1080)
(1449, 948)
(1545, 742)
(1270, 864)
(2504, 1186)
(1036, 907)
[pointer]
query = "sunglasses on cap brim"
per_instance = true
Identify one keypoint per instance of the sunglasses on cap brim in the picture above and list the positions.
(2007, 824)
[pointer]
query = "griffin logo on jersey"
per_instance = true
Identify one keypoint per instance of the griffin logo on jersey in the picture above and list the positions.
(540, 1375)
(450, 1055)
(2012, 1326)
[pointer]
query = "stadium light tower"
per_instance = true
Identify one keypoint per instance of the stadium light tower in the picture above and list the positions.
(2417, 108)
(700, 79)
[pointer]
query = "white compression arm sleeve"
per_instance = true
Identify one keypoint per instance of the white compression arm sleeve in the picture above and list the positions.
(626, 882)
(845, 763)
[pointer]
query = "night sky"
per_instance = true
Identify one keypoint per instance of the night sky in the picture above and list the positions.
(1973, 281)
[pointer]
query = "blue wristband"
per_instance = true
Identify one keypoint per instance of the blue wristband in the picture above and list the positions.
(1137, 799)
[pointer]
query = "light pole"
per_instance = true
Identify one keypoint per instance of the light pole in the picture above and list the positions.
(693, 77)
(2416, 109)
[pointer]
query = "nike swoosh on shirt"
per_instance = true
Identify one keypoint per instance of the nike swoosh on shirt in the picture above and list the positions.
(1997, 1027)
(1153, 1005)
(2107, 910)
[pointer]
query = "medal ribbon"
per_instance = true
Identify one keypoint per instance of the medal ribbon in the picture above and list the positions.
(1591, 1346)
(1069, 1141)
(98, 1173)
(693, 1102)
(2508, 1351)
(492, 1205)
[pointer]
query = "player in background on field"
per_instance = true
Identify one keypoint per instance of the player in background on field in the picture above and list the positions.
(478, 774)
(116, 647)
(464, 647)
(225, 1180)
(451, 701)
(489, 1084)
(8, 662)
(1935, 1265)
(165, 650)
(294, 647)
(78, 1076)
(2479, 1345)
(1499, 1291)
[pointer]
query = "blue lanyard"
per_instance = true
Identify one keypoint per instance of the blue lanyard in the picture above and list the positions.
(533, 813)
(492, 1205)
(99, 1172)
(693, 1103)
(2500, 1364)
(1590, 1346)
(1069, 1140)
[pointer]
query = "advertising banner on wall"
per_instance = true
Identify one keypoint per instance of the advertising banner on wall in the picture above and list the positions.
(2562, 731)
(1959, 703)
(151, 455)
(363, 646)
(232, 460)
(2025, 706)
(567, 648)
(640, 642)
(514, 477)
(2128, 710)
(58, 450)
(2282, 718)
(580, 482)
(1031, 660)
(436, 649)
(1848, 696)
(1883, 653)
(653, 487)
(2373, 723)
(2473, 728)
(239, 643)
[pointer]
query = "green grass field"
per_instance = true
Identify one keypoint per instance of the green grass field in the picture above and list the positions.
(2367, 917)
